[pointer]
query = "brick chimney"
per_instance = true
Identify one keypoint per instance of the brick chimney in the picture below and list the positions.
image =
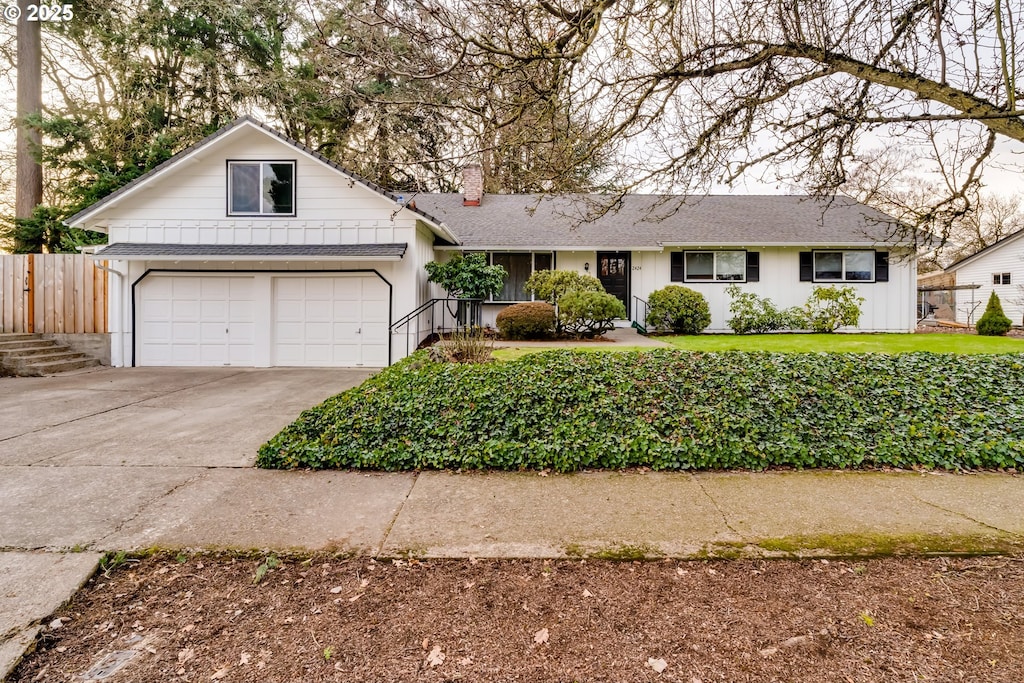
(472, 184)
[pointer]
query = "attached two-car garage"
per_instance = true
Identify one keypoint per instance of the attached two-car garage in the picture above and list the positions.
(262, 319)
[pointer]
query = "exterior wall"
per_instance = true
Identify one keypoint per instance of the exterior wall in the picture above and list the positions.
(188, 205)
(1006, 259)
(888, 307)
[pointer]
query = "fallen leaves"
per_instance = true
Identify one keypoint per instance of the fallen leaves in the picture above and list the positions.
(541, 636)
(658, 665)
(435, 657)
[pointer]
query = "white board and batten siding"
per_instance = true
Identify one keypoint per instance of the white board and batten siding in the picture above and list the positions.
(888, 306)
(261, 312)
(1007, 257)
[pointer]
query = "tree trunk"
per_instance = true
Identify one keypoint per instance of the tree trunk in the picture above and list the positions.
(29, 172)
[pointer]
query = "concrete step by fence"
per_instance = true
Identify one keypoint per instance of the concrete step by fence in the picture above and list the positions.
(27, 355)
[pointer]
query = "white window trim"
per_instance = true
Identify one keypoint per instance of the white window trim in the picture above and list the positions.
(533, 269)
(844, 252)
(261, 163)
(714, 267)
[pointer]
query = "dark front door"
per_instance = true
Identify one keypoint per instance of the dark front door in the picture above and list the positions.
(613, 272)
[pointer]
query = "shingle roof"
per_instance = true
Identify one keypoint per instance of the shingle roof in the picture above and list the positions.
(134, 251)
(655, 221)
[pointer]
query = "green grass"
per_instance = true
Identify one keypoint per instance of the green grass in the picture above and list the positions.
(513, 352)
(848, 343)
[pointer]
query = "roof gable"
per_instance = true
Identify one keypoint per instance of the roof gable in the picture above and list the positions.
(987, 251)
(225, 137)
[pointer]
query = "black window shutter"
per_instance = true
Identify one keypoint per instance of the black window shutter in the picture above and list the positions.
(753, 266)
(677, 274)
(806, 266)
(881, 266)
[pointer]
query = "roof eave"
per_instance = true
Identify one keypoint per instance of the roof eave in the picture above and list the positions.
(234, 257)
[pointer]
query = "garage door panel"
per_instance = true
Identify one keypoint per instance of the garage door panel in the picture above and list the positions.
(334, 315)
(195, 320)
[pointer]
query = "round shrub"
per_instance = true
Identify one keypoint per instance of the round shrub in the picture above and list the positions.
(532, 320)
(588, 314)
(993, 322)
(679, 309)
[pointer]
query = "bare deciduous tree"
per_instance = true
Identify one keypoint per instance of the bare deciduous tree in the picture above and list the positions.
(701, 91)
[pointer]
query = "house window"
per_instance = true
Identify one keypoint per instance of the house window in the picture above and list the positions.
(1000, 278)
(844, 266)
(710, 266)
(261, 188)
(519, 267)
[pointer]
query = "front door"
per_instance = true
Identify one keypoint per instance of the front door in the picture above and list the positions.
(613, 272)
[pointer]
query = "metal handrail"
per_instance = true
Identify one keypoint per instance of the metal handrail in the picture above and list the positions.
(436, 313)
(640, 310)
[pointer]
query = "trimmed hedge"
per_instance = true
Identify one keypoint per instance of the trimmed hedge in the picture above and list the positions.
(670, 410)
(529, 320)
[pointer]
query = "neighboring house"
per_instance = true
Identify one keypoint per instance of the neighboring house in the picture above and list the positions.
(997, 268)
(250, 249)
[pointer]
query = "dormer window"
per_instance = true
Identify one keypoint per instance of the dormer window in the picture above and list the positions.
(261, 188)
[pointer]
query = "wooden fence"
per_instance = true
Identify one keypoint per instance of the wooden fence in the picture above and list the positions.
(52, 294)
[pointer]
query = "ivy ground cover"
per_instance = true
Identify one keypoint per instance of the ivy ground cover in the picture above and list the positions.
(667, 409)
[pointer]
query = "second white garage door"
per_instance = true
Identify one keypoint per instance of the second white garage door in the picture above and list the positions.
(330, 321)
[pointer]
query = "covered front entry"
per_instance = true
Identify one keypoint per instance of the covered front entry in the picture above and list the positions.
(262, 319)
(613, 272)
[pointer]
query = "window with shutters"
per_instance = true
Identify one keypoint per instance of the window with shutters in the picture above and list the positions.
(714, 266)
(844, 266)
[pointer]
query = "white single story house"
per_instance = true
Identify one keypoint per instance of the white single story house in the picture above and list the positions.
(250, 249)
(997, 268)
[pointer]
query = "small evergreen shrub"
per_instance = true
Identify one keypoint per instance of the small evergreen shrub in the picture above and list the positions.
(752, 314)
(531, 320)
(994, 322)
(829, 308)
(678, 309)
(550, 285)
(588, 314)
(467, 277)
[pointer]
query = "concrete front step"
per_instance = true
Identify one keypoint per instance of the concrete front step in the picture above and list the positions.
(29, 355)
(59, 366)
(30, 343)
(41, 347)
(17, 336)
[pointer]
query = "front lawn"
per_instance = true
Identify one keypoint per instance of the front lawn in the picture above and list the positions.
(666, 409)
(849, 343)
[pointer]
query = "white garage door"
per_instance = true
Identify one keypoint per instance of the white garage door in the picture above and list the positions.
(330, 321)
(195, 321)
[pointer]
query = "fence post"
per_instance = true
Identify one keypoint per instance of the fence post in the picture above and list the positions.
(30, 294)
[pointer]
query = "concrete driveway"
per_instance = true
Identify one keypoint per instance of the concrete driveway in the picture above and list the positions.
(128, 458)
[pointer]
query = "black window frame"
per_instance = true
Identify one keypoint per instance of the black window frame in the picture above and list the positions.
(260, 214)
(844, 279)
(533, 269)
(678, 272)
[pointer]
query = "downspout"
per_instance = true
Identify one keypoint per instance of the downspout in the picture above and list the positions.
(120, 276)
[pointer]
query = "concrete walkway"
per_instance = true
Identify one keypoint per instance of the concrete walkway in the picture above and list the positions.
(158, 458)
